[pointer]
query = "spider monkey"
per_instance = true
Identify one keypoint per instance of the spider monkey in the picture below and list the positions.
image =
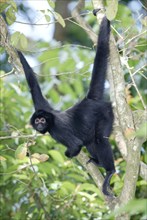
(89, 122)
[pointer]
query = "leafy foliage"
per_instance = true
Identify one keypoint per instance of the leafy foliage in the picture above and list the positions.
(37, 180)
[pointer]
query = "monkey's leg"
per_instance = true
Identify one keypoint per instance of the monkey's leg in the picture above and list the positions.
(93, 158)
(94, 161)
(73, 151)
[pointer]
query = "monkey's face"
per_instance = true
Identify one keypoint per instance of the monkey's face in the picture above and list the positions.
(40, 124)
(41, 121)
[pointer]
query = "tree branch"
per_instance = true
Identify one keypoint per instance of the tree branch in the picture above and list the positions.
(21, 136)
(97, 177)
(81, 21)
(5, 42)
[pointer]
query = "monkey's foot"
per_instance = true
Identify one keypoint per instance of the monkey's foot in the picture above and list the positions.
(94, 161)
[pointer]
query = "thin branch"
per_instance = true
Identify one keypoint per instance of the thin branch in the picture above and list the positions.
(4, 42)
(117, 32)
(7, 74)
(142, 5)
(81, 21)
(78, 24)
(142, 67)
(53, 22)
(41, 206)
(134, 83)
(21, 136)
(136, 36)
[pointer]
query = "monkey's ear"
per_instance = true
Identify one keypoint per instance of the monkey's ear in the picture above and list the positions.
(39, 101)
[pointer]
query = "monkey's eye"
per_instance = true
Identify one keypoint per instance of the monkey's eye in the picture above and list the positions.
(37, 120)
(42, 120)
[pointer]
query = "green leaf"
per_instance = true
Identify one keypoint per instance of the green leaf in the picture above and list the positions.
(78, 87)
(43, 11)
(54, 96)
(68, 186)
(133, 207)
(2, 49)
(10, 15)
(90, 187)
(21, 152)
(144, 21)
(142, 131)
(15, 38)
(48, 18)
(18, 91)
(40, 157)
(136, 206)
(112, 8)
(23, 41)
(66, 89)
(56, 156)
(51, 3)
(2, 158)
(59, 19)
(87, 195)
(56, 185)
(3, 6)
(13, 5)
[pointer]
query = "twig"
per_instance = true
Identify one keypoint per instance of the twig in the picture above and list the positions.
(4, 42)
(82, 22)
(21, 136)
(134, 83)
(40, 206)
(53, 22)
(117, 32)
(142, 5)
(7, 74)
(136, 36)
(139, 70)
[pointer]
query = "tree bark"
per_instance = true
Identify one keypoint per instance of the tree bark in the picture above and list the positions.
(61, 8)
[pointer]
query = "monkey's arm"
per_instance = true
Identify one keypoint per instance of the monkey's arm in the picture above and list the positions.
(100, 62)
(39, 101)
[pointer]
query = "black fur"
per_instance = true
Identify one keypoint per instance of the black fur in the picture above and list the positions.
(89, 122)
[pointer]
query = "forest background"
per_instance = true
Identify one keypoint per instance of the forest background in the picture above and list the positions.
(58, 38)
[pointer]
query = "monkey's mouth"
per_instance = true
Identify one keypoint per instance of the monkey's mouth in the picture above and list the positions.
(40, 127)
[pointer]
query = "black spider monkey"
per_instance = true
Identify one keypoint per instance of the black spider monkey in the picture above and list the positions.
(89, 122)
